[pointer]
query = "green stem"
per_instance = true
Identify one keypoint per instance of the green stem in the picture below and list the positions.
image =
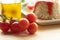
(3, 17)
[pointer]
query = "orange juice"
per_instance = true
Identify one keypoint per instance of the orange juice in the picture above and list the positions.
(12, 10)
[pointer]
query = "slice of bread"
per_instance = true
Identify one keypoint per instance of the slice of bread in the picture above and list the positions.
(43, 10)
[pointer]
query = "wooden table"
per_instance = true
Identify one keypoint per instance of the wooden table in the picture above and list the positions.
(51, 32)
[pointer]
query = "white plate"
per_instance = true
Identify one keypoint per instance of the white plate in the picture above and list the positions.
(48, 22)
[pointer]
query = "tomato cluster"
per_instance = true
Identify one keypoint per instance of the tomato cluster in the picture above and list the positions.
(23, 24)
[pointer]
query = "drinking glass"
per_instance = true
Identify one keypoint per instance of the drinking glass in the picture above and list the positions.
(11, 8)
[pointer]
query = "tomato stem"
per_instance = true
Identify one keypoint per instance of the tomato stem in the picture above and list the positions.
(3, 17)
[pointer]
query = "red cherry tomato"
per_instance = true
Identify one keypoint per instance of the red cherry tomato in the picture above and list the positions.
(30, 6)
(4, 26)
(31, 17)
(23, 23)
(15, 27)
(33, 28)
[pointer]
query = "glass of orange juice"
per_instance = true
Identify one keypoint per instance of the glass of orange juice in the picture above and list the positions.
(11, 8)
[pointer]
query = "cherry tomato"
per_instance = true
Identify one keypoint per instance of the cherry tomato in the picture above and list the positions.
(30, 6)
(33, 27)
(15, 27)
(31, 17)
(4, 26)
(23, 23)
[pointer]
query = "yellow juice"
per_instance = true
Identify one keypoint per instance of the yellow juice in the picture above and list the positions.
(0, 7)
(12, 10)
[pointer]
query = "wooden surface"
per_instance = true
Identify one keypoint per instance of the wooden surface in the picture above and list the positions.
(51, 32)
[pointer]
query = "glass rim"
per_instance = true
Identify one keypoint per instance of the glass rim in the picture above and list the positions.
(10, 1)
